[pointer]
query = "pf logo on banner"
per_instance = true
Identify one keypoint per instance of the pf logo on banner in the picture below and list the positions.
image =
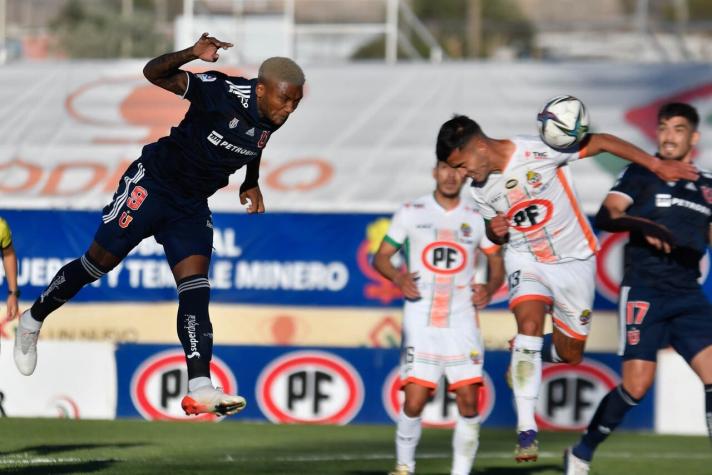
(310, 387)
(569, 394)
(159, 384)
(441, 409)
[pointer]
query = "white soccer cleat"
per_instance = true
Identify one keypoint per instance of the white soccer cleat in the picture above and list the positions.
(25, 351)
(574, 465)
(212, 400)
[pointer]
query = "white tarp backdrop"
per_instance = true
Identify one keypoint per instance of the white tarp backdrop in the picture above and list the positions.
(362, 139)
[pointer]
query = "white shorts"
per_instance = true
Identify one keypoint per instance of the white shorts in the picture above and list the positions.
(429, 352)
(567, 287)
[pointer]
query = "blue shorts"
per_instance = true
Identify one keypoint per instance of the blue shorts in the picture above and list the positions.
(650, 320)
(143, 207)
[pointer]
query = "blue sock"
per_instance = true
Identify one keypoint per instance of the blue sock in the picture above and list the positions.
(708, 409)
(65, 284)
(548, 351)
(194, 328)
(610, 413)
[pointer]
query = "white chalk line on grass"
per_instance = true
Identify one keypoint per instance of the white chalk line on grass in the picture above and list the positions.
(23, 460)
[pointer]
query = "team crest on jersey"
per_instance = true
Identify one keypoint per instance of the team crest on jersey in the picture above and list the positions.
(707, 193)
(206, 77)
(475, 357)
(466, 230)
(534, 178)
(233, 123)
(633, 337)
(585, 317)
(511, 184)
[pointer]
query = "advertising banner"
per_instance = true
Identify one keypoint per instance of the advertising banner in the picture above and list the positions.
(356, 385)
(75, 380)
(302, 259)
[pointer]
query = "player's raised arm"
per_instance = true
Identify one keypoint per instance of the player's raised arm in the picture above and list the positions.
(612, 217)
(164, 71)
(668, 170)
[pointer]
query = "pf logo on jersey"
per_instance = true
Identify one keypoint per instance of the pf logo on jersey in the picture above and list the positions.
(530, 215)
(569, 395)
(444, 257)
(310, 387)
(160, 382)
(441, 409)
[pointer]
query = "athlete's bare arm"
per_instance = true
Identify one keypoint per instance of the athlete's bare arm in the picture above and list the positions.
(482, 293)
(668, 170)
(164, 71)
(612, 217)
(404, 280)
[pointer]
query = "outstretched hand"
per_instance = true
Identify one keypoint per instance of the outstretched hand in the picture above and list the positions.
(673, 170)
(405, 281)
(480, 296)
(253, 199)
(206, 48)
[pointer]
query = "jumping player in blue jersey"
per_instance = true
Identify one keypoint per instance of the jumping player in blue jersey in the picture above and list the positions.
(661, 302)
(165, 194)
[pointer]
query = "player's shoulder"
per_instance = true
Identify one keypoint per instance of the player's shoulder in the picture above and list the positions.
(210, 76)
(705, 174)
(5, 233)
(418, 204)
(531, 149)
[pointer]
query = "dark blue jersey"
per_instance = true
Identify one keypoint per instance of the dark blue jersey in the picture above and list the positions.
(685, 209)
(221, 132)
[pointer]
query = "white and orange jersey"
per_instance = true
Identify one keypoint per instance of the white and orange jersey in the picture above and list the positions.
(536, 194)
(441, 246)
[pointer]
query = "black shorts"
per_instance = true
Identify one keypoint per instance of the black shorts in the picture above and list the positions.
(650, 320)
(143, 207)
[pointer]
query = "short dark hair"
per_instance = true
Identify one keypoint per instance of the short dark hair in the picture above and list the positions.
(455, 133)
(679, 109)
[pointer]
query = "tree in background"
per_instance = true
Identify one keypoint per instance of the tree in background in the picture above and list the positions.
(467, 29)
(89, 29)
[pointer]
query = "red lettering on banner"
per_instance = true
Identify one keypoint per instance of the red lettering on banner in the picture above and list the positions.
(324, 172)
(99, 172)
(34, 174)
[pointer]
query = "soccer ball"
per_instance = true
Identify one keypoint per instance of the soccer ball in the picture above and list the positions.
(562, 122)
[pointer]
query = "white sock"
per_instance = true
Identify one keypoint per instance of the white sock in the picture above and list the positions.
(526, 378)
(407, 437)
(197, 383)
(30, 323)
(465, 441)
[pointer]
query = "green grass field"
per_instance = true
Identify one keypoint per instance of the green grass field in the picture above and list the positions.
(131, 446)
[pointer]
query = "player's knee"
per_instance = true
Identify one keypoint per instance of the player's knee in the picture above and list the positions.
(574, 360)
(102, 258)
(467, 406)
(529, 327)
(637, 389)
(413, 407)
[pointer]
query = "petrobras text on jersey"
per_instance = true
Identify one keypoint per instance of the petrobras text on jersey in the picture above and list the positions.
(217, 139)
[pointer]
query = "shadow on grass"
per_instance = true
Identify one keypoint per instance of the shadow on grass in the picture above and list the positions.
(79, 467)
(48, 449)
